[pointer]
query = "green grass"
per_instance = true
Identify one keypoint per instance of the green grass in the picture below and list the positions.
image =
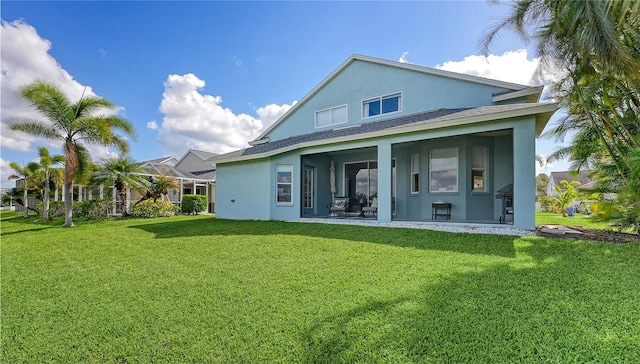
(197, 289)
(586, 221)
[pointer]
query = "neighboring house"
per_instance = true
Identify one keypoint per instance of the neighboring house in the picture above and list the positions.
(584, 177)
(192, 174)
(406, 135)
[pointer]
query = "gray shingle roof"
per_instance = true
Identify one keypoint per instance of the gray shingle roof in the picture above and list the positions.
(393, 126)
(339, 132)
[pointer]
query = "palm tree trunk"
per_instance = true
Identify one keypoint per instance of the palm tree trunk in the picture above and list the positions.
(24, 198)
(47, 196)
(68, 203)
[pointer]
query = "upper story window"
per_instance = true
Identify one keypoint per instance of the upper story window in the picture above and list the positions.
(382, 105)
(331, 116)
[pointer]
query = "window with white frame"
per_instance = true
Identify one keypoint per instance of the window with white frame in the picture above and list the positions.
(443, 170)
(331, 116)
(478, 169)
(284, 183)
(415, 173)
(382, 105)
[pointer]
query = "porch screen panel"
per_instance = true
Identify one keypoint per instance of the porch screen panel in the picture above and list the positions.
(443, 169)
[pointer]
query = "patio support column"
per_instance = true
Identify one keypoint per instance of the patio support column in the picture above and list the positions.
(206, 189)
(55, 194)
(524, 176)
(63, 190)
(101, 192)
(79, 193)
(384, 182)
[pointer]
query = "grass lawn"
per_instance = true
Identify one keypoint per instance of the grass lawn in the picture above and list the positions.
(586, 221)
(197, 289)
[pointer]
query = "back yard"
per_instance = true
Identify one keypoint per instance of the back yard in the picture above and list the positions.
(198, 289)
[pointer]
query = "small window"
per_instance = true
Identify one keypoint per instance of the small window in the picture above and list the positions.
(478, 169)
(382, 105)
(415, 173)
(331, 116)
(443, 169)
(284, 183)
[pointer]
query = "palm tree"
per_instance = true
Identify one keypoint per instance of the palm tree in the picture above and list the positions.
(566, 195)
(73, 125)
(46, 161)
(161, 185)
(28, 174)
(121, 173)
(576, 34)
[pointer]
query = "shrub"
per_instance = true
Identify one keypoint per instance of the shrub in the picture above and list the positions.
(194, 203)
(150, 209)
(546, 202)
(93, 209)
(56, 208)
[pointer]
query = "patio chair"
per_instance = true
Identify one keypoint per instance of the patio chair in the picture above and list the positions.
(340, 204)
(373, 209)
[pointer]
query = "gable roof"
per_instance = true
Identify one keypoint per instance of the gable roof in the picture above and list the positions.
(198, 153)
(169, 160)
(440, 118)
(400, 65)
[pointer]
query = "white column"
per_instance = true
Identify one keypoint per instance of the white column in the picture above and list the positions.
(101, 192)
(55, 194)
(63, 192)
(79, 193)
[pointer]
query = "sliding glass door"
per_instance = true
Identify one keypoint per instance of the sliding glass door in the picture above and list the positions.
(361, 181)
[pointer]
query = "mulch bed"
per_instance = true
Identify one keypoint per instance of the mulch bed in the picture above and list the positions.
(593, 235)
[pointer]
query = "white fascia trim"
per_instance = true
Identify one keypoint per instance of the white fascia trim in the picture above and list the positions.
(430, 124)
(408, 66)
(519, 93)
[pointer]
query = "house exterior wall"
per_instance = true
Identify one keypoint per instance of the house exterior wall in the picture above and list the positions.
(244, 193)
(363, 80)
(510, 159)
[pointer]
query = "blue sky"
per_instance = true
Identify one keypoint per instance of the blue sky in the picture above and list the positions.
(213, 75)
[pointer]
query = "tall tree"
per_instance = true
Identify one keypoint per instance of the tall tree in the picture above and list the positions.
(28, 174)
(121, 173)
(73, 124)
(46, 163)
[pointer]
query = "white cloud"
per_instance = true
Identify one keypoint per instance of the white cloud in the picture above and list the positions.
(102, 52)
(25, 58)
(196, 120)
(403, 58)
(152, 125)
(5, 172)
(512, 66)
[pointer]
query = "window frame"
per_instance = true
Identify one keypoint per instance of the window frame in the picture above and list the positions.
(414, 170)
(380, 99)
(432, 170)
(284, 168)
(331, 110)
(483, 169)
